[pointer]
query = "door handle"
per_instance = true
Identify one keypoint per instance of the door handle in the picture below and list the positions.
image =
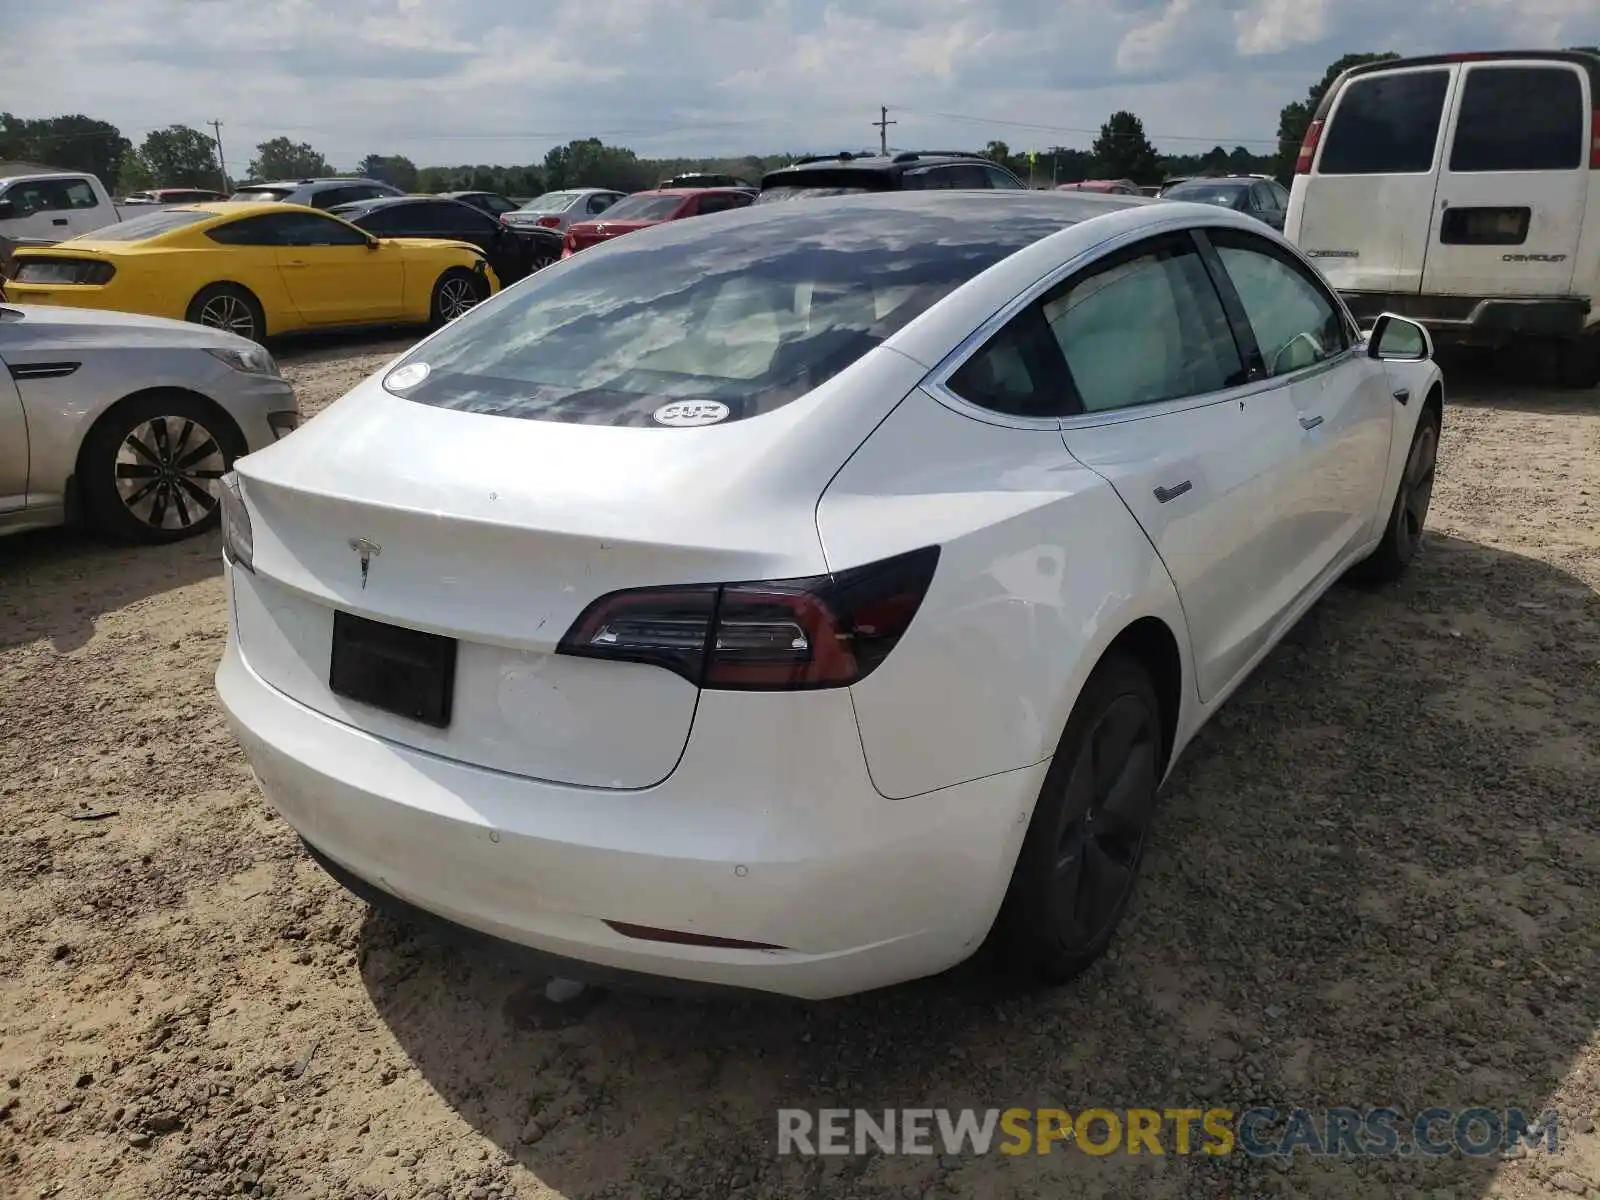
(59, 221)
(1172, 493)
(296, 262)
(1310, 422)
(1402, 394)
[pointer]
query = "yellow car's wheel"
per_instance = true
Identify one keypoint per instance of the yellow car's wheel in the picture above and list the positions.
(457, 292)
(231, 307)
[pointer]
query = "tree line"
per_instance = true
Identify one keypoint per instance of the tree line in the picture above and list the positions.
(180, 156)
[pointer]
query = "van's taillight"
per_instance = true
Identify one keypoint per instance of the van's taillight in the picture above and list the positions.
(1594, 140)
(824, 631)
(1308, 148)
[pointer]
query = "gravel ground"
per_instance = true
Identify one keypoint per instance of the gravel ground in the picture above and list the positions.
(1374, 883)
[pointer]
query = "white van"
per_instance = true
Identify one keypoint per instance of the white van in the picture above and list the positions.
(1463, 191)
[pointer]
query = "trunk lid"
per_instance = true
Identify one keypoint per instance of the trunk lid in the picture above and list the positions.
(499, 532)
(591, 233)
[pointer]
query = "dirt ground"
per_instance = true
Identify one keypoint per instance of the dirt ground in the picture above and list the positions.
(1376, 881)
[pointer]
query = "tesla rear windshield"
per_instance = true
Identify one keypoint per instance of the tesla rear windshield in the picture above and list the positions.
(727, 319)
(138, 229)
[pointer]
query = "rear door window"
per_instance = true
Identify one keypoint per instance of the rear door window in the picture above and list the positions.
(1001, 179)
(1148, 326)
(1386, 124)
(1519, 119)
(1140, 327)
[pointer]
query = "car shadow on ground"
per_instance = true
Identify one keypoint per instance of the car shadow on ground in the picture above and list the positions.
(1490, 379)
(56, 583)
(1373, 884)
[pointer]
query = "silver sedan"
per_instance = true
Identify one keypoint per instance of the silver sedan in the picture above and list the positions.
(127, 423)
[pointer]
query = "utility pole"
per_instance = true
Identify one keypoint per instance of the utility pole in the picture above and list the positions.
(222, 163)
(882, 124)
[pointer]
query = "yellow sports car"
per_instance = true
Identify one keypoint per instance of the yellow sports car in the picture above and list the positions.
(255, 269)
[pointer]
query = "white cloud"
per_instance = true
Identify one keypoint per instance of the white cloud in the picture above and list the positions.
(448, 81)
(1271, 26)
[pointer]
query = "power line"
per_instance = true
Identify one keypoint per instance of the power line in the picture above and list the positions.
(1163, 137)
(511, 135)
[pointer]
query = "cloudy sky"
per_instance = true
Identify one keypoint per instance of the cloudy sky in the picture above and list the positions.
(452, 81)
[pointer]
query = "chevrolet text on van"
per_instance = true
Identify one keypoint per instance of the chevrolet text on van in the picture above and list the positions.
(1463, 190)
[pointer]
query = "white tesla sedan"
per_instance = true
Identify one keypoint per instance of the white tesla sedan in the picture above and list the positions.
(795, 598)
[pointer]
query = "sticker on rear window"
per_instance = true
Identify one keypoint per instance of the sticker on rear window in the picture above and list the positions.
(691, 412)
(407, 376)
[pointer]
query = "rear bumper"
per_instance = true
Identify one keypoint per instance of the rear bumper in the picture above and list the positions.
(1478, 320)
(768, 832)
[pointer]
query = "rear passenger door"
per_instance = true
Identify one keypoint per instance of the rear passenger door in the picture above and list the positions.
(1514, 182)
(1364, 211)
(1202, 455)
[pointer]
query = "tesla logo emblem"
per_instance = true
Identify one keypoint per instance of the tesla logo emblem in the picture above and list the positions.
(368, 550)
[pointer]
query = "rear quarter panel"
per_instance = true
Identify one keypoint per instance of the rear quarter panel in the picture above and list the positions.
(1041, 567)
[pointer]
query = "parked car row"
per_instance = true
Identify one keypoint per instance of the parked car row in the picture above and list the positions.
(255, 270)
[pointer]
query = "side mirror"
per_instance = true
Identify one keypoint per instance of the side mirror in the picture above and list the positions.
(1397, 339)
(373, 243)
(7, 209)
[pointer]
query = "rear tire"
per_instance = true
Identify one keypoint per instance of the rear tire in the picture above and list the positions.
(149, 470)
(229, 307)
(1577, 362)
(1086, 841)
(457, 292)
(1402, 537)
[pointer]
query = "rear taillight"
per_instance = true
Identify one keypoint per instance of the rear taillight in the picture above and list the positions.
(1594, 140)
(820, 632)
(1308, 148)
(238, 540)
(550, 222)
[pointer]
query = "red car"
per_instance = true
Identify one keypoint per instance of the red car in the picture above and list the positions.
(1120, 187)
(652, 208)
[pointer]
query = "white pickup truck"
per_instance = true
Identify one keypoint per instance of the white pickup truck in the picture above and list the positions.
(44, 208)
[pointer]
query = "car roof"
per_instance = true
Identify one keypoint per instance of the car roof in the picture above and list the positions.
(243, 208)
(1590, 62)
(295, 185)
(881, 162)
(390, 201)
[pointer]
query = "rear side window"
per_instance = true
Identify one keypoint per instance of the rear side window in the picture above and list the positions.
(1385, 125)
(1142, 327)
(148, 226)
(644, 207)
(1002, 179)
(828, 181)
(1519, 119)
(1148, 327)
